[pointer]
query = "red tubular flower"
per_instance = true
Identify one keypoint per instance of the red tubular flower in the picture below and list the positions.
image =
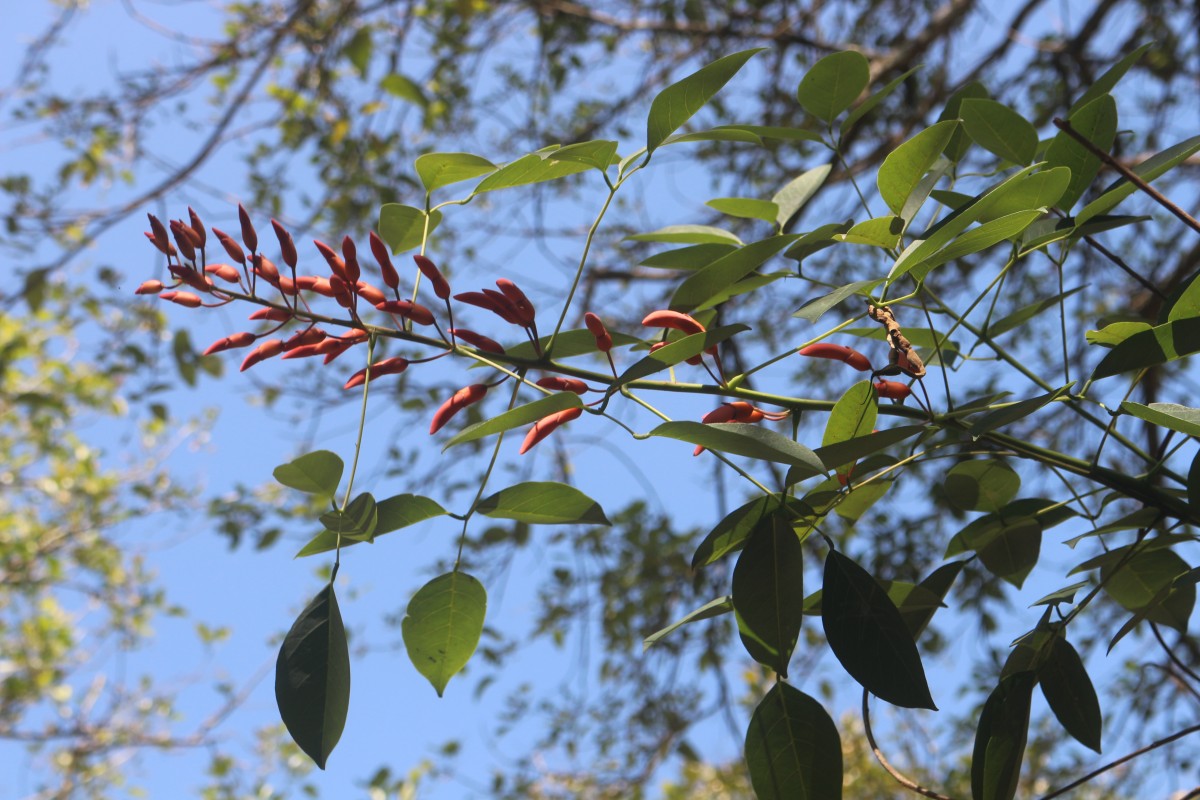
(508, 309)
(468, 395)
(186, 299)
(838, 352)
(677, 320)
(230, 342)
(476, 340)
(149, 287)
(371, 294)
(265, 269)
(391, 278)
(341, 291)
(272, 314)
(336, 265)
(268, 349)
(249, 235)
(561, 384)
(184, 239)
(350, 258)
(158, 235)
(287, 286)
(225, 272)
(546, 425)
(407, 309)
(335, 348)
(197, 227)
(596, 327)
(191, 277)
(304, 337)
(170, 251)
(314, 284)
(388, 366)
(437, 280)
(323, 347)
(893, 390)
(287, 245)
(231, 246)
(488, 303)
(525, 310)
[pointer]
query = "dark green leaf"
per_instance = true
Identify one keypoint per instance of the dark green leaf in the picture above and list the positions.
(742, 439)
(861, 446)
(815, 309)
(960, 143)
(1025, 313)
(316, 473)
(403, 510)
(713, 608)
(357, 521)
(1009, 414)
(916, 614)
(868, 105)
(768, 592)
(515, 418)
(533, 168)
(442, 626)
(443, 169)
(816, 240)
(358, 50)
(569, 344)
(981, 485)
(853, 416)
(676, 104)
(999, 129)
(1070, 693)
(732, 531)
(1159, 345)
(793, 751)
(1193, 482)
(403, 227)
(833, 84)
(1109, 79)
(902, 170)
(691, 257)
(1096, 122)
(1000, 739)
(312, 677)
(1063, 595)
(869, 637)
(1145, 583)
(702, 285)
(543, 503)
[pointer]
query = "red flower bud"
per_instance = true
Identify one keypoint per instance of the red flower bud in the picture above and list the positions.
(441, 287)
(457, 402)
(249, 235)
(314, 284)
(488, 303)
(225, 272)
(596, 327)
(508, 309)
(525, 311)
(268, 349)
(149, 287)
(272, 314)
(198, 227)
(371, 294)
(350, 254)
(561, 384)
(379, 249)
(231, 246)
(184, 239)
(838, 352)
(186, 299)
(407, 309)
(336, 265)
(265, 269)
(893, 390)
(388, 366)
(287, 286)
(158, 235)
(546, 425)
(476, 340)
(230, 342)
(304, 337)
(287, 245)
(341, 292)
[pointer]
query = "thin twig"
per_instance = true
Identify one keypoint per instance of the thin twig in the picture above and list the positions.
(1120, 761)
(906, 782)
(1128, 174)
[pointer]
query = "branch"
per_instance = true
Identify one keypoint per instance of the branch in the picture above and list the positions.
(1120, 761)
(907, 783)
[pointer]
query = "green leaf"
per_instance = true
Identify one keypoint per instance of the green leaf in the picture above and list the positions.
(792, 197)
(443, 169)
(358, 50)
(1193, 481)
(982, 485)
(813, 310)
(917, 614)
(598, 153)
(543, 503)
(1025, 313)
(793, 751)
(317, 473)
(1110, 78)
(1063, 595)
(357, 521)
(676, 353)
(1144, 583)
(691, 257)
(1000, 739)
(1187, 305)
(833, 84)
(731, 532)
(688, 234)
(861, 446)
(768, 592)
(404, 88)
(853, 416)
(312, 677)
(703, 284)
(997, 128)
(741, 439)
(960, 142)
(902, 170)
(533, 168)
(713, 608)
(677, 103)
(569, 344)
(868, 105)
(1070, 694)
(1153, 167)
(1004, 229)
(1040, 189)
(516, 417)
(442, 626)
(1008, 544)
(1159, 345)
(1168, 415)
(1010, 413)
(1097, 122)
(752, 134)
(859, 499)
(816, 240)
(1115, 333)
(869, 637)
(879, 232)
(403, 227)
(745, 208)
(403, 510)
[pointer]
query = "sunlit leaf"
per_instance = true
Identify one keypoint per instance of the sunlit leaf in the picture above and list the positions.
(317, 473)
(443, 169)
(442, 626)
(677, 103)
(904, 167)
(833, 84)
(404, 227)
(713, 608)
(517, 417)
(544, 503)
